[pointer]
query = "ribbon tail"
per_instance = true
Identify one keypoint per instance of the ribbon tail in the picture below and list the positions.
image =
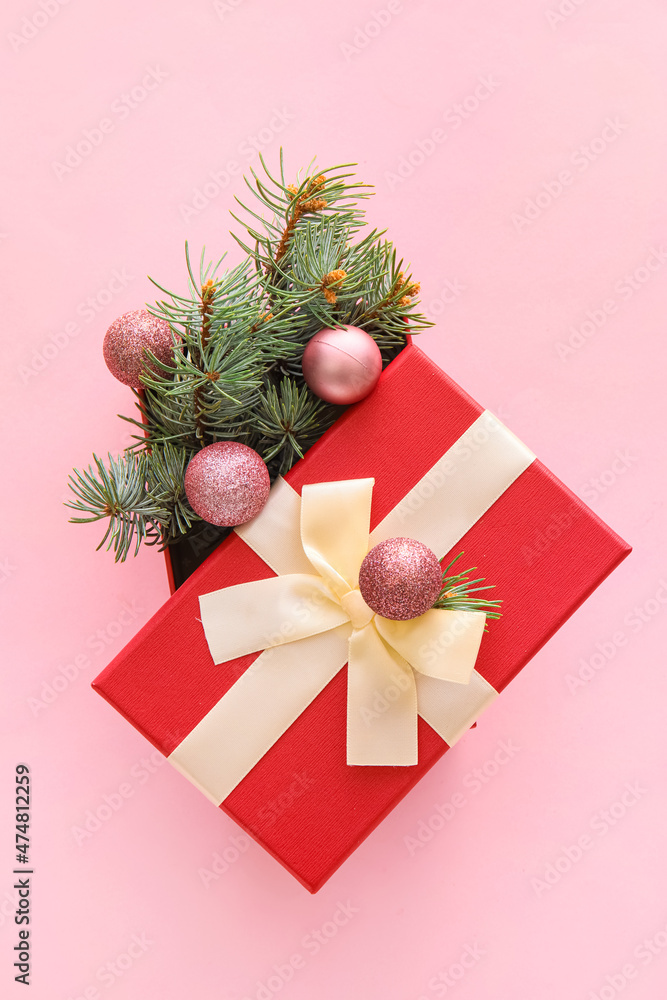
(442, 647)
(450, 708)
(381, 703)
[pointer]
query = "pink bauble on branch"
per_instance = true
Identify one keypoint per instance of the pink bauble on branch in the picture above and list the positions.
(400, 578)
(127, 340)
(342, 366)
(227, 483)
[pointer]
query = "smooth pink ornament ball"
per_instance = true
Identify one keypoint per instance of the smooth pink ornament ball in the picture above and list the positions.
(126, 340)
(342, 366)
(227, 483)
(400, 578)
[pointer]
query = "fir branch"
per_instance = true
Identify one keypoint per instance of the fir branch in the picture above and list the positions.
(320, 192)
(165, 476)
(288, 420)
(305, 200)
(215, 371)
(119, 494)
(239, 334)
(388, 302)
(456, 592)
(163, 419)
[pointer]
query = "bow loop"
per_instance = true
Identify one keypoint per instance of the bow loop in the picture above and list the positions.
(335, 527)
(440, 644)
(383, 655)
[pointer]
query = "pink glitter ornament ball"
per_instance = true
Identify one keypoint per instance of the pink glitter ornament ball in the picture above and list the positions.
(126, 339)
(400, 578)
(227, 483)
(342, 366)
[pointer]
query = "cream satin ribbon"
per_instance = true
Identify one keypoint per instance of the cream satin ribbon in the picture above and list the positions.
(309, 624)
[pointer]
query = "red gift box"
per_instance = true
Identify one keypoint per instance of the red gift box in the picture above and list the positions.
(302, 801)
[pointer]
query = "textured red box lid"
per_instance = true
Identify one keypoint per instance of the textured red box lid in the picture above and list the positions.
(302, 801)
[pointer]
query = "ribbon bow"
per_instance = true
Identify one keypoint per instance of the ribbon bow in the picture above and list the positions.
(385, 658)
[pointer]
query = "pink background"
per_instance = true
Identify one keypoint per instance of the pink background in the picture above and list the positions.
(556, 322)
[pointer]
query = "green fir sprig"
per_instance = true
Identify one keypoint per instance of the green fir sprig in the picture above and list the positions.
(142, 495)
(457, 590)
(118, 492)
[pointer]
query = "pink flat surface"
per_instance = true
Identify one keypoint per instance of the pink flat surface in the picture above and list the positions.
(518, 153)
